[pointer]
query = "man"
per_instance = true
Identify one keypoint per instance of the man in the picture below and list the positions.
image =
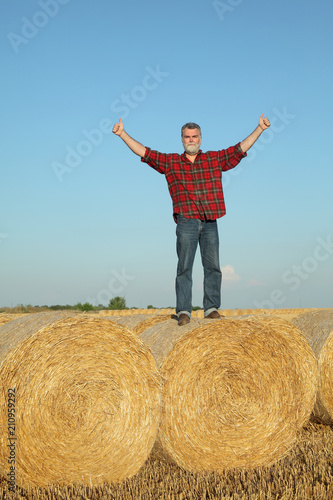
(195, 185)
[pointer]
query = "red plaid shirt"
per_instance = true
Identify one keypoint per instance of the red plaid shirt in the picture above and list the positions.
(196, 188)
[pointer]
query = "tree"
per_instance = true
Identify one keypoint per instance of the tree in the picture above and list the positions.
(84, 307)
(117, 303)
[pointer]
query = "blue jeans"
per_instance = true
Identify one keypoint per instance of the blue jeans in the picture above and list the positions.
(189, 233)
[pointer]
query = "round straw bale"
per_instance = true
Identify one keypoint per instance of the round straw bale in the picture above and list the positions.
(129, 322)
(236, 391)
(300, 347)
(317, 327)
(151, 321)
(5, 317)
(87, 401)
(141, 322)
(17, 330)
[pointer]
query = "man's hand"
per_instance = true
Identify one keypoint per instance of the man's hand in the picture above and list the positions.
(264, 122)
(134, 145)
(118, 127)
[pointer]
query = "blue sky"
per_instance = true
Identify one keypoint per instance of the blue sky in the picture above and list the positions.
(82, 219)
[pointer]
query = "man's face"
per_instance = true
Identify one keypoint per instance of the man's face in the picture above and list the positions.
(191, 140)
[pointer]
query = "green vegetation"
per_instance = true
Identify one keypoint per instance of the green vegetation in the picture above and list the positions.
(117, 303)
(84, 307)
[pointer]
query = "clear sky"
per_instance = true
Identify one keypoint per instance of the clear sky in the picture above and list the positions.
(82, 219)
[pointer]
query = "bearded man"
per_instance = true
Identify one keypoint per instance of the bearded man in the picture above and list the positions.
(195, 184)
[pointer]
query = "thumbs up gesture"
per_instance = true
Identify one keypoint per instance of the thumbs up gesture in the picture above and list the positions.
(118, 127)
(264, 122)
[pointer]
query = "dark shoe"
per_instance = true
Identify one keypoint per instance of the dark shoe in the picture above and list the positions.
(183, 320)
(214, 315)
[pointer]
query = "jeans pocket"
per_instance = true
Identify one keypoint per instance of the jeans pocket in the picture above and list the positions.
(182, 219)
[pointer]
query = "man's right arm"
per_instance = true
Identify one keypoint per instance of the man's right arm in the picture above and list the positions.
(134, 145)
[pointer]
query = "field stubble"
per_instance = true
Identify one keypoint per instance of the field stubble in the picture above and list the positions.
(306, 473)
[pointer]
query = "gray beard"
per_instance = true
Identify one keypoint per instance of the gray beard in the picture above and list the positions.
(192, 149)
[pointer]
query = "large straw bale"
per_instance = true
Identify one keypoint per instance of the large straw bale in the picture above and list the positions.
(129, 322)
(236, 391)
(141, 322)
(317, 327)
(16, 330)
(6, 317)
(87, 400)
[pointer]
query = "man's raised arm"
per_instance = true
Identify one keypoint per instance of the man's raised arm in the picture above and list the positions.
(134, 145)
(251, 139)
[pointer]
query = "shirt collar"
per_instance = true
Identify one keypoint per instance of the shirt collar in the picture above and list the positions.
(198, 153)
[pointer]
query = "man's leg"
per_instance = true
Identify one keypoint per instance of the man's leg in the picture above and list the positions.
(187, 241)
(209, 248)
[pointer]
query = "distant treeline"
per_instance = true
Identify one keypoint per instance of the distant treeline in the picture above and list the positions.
(117, 303)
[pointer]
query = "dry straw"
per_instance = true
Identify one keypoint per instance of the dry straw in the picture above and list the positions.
(139, 323)
(87, 396)
(6, 317)
(236, 391)
(317, 327)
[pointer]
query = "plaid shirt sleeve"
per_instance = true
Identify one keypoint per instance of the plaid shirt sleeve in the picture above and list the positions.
(156, 160)
(230, 157)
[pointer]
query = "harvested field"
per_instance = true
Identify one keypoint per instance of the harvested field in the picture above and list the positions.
(304, 474)
(286, 314)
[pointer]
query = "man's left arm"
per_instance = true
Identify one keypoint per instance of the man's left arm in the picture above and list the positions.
(264, 123)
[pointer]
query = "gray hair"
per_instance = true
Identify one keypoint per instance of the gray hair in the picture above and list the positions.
(190, 125)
